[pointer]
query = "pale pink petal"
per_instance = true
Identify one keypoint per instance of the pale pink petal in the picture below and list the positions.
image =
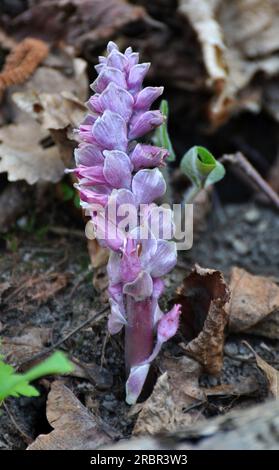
(164, 259)
(110, 131)
(146, 97)
(148, 185)
(136, 76)
(135, 382)
(144, 123)
(117, 169)
(141, 288)
(106, 76)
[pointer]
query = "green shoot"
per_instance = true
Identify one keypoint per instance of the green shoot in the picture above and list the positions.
(201, 167)
(14, 384)
(161, 136)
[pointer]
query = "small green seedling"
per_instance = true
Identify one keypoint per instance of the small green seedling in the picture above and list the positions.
(199, 165)
(13, 384)
(161, 136)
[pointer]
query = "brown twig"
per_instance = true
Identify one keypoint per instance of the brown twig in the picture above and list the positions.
(104, 349)
(247, 168)
(92, 318)
(22, 61)
(27, 439)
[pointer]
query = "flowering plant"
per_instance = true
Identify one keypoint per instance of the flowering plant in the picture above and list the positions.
(115, 171)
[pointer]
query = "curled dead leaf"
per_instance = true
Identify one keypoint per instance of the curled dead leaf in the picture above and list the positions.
(232, 60)
(271, 374)
(74, 427)
(172, 402)
(203, 296)
(254, 304)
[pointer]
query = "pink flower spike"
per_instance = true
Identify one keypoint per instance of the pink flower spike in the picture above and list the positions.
(118, 182)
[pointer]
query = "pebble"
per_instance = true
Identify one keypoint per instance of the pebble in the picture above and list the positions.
(240, 247)
(231, 349)
(252, 216)
(262, 227)
(213, 381)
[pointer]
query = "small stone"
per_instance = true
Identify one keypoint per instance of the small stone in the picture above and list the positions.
(231, 349)
(213, 381)
(262, 227)
(252, 216)
(240, 247)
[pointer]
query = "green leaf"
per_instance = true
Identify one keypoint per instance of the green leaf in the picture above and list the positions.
(215, 175)
(200, 166)
(189, 166)
(205, 161)
(55, 364)
(68, 192)
(161, 136)
(13, 384)
(77, 201)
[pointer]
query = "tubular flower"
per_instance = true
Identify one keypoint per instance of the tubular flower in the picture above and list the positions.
(114, 171)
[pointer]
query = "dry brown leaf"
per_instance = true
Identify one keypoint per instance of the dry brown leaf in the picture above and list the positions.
(21, 348)
(37, 288)
(175, 393)
(23, 157)
(203, 296)
(98, 254)
(201, 17)
(231, 59)
(56, 97)
(75, 21)
(254, 304)
(247, 386)
(74, 427)
(52, 110)
(271, 374)
(68, 75)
